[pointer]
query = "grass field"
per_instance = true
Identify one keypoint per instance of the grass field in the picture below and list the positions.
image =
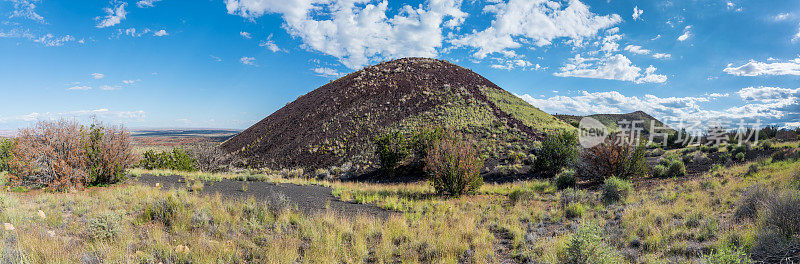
(669, 221)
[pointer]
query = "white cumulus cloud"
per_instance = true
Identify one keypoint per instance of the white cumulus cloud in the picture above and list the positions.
(539, 22)
(610, 67)
(160, 33)
(360, 32)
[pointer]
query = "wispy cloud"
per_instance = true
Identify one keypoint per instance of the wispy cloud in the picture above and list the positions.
(160, 33)
(98, 76)
(80, 88)
(114, 15)
(687, 33)
(248, 61)
(326, 72)
(147, 3)
(756, 68)
(26, 9)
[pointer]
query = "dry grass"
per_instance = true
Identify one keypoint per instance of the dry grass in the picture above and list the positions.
(676, 221)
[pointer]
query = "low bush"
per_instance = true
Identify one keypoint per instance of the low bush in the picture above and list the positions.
(63, 154)
(177, 159)
(570, 196)
(392, 149)
(587, 246)
(109, 153)
(616, 189)
(777, 238)
(558, 150)
(670, 166)
(103, 227)
(753, 200)
(453, 165)
(765, 144)
(614, 158)
(565, 179)
(740, 156)
(6, 146)
(783, 214)
(786, 154)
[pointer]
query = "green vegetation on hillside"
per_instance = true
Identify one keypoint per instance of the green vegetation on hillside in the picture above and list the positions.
(525, 112)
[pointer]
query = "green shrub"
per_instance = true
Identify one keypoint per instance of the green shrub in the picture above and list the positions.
(163, 210)
(740, 156)
(587, 246)
(177, 159)
(565, 179)
(6, 146)
(766, 144)
(574, 210)
(109, 153)
(103, 227)
(616, 189)
(671, 167)
(454, 165)
(392, 150)
(558, 150)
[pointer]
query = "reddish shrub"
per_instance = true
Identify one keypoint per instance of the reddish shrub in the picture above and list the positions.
(454, 165)
(50, 154)
(614, 158)
(62, 154)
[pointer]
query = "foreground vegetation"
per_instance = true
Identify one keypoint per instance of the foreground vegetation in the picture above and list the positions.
(623, 211)
(683, 221)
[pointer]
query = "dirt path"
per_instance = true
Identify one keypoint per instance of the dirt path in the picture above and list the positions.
(309, 199)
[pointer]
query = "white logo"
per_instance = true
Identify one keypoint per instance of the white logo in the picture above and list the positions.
(591, 132)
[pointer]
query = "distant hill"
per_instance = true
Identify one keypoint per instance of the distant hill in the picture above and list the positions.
(337, 122)
(612, 120)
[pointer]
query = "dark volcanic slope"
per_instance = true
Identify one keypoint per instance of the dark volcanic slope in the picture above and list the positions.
(336, 122)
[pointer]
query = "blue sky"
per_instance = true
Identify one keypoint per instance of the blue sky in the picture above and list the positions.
(230, 63)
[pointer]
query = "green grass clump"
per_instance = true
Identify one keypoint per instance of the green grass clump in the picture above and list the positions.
(574, 210)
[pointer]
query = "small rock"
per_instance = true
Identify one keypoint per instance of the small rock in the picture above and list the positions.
(158, 185)
(8, 226)
(41, 214)
(51, 233)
